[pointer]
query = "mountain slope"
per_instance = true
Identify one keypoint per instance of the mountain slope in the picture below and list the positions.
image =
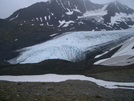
(119, 16)
(124, 56)
(14, 37)
(75, 15)
(54, 12)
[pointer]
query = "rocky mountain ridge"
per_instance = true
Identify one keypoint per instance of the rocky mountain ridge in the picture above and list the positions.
(76, 15)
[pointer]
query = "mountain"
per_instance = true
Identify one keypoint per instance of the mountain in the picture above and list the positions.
(43, 21)
(119, 16)
(76, 15)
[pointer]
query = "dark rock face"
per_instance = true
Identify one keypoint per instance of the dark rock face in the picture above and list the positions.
(73, 15)
(116, 7)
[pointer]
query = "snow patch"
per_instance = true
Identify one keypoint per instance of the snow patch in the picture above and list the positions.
(41, 19)
(62, 5)
(33, 20)
(93, 13)
(64, 23)
(67, 23)
(52, 13)
(69, 12)
(124, 56)
(101, 54)
(49, 17)
(76, 9)
(37, 19)
(61, 78)
(69, 3)
(45, 17)
(58, 2)
(61, 23)
(16, 40)
(121, 17)
(53, 34)
(48, 24)
(42, 24)
(126, 49)
(14, 17)
(100, 12)
(80, 22)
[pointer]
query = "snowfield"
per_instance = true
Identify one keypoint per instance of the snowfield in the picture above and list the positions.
(121, 17)
(97, 14)
(60, 78)
(124, 56)
(71, 46)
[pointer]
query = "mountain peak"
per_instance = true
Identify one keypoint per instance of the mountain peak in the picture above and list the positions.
(117, 7)
(116, 1)
(70, 14)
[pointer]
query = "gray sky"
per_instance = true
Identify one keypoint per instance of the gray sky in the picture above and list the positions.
(7, 7)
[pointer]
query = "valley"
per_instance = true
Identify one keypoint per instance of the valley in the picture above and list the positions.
(68, 50)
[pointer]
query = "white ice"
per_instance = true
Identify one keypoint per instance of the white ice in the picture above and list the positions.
(60, 78)
(71, 46)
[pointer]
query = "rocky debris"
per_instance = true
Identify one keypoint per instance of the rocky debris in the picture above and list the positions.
(63, 91)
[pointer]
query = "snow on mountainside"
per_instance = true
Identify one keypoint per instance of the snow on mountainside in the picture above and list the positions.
(72, 46)
(124, 56)
(76, 15)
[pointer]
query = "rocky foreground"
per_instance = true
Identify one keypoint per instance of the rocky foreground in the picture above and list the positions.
(63, 91)
(71, 90)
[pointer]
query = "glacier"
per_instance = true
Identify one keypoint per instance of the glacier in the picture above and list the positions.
(71, 46)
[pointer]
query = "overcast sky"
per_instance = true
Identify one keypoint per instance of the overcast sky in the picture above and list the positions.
(7, 7)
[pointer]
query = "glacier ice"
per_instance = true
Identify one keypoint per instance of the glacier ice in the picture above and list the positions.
(71, 46)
